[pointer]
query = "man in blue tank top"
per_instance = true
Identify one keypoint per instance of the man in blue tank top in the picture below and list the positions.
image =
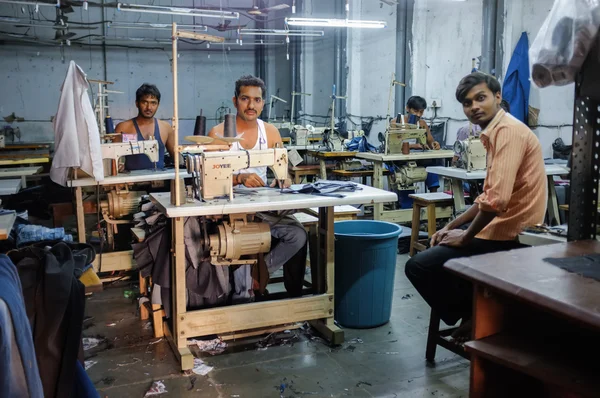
(250, 93)
(146, 127)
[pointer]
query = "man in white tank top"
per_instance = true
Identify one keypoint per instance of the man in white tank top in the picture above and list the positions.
(248, 100)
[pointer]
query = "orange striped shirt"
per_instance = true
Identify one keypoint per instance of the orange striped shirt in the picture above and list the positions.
(515, 186)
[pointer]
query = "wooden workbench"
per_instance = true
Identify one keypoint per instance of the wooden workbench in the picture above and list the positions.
(22, 172)
(457, 176)
(325, 156)
(535, 325)
(262, 316)
(123, 260)
(379, 160)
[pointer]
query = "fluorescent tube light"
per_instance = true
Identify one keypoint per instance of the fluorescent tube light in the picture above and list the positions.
(339, 23)
(192, 12)
(280, 32)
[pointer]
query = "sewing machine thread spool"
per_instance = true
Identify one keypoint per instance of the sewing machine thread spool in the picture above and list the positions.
(200, 126)
(229, 130)
(405, 148)
(108, 125)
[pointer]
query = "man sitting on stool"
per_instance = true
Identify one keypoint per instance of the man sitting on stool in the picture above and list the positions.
(514, 197)
(248, 100)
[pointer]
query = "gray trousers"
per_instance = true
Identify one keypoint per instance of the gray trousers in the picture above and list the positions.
(292, 237)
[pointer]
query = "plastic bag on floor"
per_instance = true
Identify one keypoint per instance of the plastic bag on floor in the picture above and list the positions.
(564, 41)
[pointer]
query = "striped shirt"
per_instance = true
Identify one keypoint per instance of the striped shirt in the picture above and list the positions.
(515, 186)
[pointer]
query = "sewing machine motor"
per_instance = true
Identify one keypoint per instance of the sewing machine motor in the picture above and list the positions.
(408, 175)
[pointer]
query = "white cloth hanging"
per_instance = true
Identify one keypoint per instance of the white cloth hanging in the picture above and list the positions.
(76, 135)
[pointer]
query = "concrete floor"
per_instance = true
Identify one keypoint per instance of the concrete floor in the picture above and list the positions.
(387, 361)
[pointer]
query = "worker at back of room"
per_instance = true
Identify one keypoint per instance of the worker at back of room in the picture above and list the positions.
(146, 127)
(415, 108)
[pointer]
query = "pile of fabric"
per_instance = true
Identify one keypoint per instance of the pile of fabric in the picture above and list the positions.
(42, 304)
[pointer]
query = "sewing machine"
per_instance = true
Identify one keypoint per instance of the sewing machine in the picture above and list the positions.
(116, 150)
(472, 154)
(398, 133)
(212, 172)
(309, 135)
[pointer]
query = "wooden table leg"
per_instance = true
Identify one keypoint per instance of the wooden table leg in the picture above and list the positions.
(327, 326)
(377, 180)
(488, 319)
(144, 314)
(553, 213)
(459, 194)
(323, 168)
(80, 215)
(178, 338)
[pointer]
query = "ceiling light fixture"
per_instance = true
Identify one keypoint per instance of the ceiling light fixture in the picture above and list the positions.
(335, 23)
(192, 12)
(153, 26)
(280, 32)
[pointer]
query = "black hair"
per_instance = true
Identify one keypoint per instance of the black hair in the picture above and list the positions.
(473, 79)
(251, 81)
(147, 89)
(417, 103)
(505, 105)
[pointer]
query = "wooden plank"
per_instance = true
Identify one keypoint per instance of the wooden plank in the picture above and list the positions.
(183, 354)
(178, 286)
(405, 215)
(11, 162)
(254, 315)
(542, 360)
(250, 333)
(10, 147)
(115, 261)
(20, 171)
(6, 224)
(200, 36)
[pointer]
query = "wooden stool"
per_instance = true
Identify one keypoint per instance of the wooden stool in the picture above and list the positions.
(430, 201)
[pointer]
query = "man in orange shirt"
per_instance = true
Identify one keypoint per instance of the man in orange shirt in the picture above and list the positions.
(514, 197)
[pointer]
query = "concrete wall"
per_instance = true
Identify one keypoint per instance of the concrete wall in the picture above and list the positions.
(446, 36)
(317, 65)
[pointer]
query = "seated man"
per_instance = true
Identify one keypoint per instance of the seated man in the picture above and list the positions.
(514, 197)
(248, 100)
(145, 126)
(415, 107)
